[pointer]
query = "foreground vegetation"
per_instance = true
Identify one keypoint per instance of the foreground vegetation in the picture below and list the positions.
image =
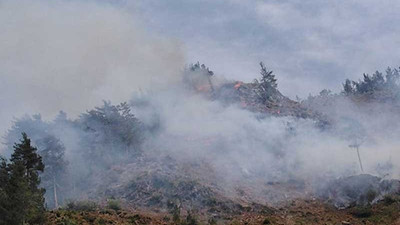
(296, 212)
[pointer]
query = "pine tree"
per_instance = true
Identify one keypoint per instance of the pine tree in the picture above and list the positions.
(266, 87)
(24, 195)
(4, 178)
(267, 77)
(348, 87)
(392, 77)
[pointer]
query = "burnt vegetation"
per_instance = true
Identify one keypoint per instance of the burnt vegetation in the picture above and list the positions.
(110, 141)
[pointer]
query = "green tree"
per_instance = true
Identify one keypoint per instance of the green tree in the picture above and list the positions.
(110, 129)
(4, 212)
(348, 87)
(25, 198)
(267, 77)
(266, 87)
(52, 150)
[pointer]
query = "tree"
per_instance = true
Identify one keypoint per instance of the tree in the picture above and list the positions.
(33, 126)
(110, 129)
(267, 77)
(267, 85)
(348, 87)
(26, 199)
(374, 84)
(42, 134)
(392, 77)
(52, 151)
(4, 179)
(198, 77)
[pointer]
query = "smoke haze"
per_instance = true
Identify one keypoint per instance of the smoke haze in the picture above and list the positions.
(70, 55)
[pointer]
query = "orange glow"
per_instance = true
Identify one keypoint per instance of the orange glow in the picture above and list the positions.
(237, 85)
(203, 88)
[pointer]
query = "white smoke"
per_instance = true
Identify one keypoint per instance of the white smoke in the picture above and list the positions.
(70, 55)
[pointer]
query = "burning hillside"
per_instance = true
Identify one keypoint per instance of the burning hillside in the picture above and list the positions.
(102, 123)
(216, 148)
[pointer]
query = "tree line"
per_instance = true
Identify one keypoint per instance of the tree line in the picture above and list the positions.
(99, 138)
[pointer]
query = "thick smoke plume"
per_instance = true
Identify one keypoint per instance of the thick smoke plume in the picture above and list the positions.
(70, 55)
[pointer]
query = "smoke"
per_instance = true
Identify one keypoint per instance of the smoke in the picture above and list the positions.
(70, 55)
(57, 55)
(247, 150)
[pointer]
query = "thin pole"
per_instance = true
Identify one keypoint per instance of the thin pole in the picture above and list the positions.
(55, 193)
(359, 159)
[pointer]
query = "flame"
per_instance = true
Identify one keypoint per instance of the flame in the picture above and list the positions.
(237, 85)
(203, 88)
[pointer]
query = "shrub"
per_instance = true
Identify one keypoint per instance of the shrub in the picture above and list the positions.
(82, 206)
(113, 204)
(389, 199)
(266, 221)
(361, 212)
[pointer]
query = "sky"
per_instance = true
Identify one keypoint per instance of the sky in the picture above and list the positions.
(71, 54)
(309, 44)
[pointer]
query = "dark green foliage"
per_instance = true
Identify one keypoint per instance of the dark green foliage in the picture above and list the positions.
(175, 210)
(113, 204)
(50, 148)
(20, 192)
(190, 219)
(202, 67)
(266, 86)
(361, 211)
(375, 83)
(105, 135)
(86, 205)
(267, 77)
(4, 179)
(389, 199)
(348, 87)
(212, 221)
(266, 221)
(110, 128)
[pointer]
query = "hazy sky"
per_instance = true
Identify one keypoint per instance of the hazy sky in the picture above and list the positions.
(70, 54)
(310, 44)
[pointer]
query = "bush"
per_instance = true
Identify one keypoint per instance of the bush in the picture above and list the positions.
(67, 221)
(113, 204)
(266, 221)
(86, 205)
(389, 199)
(191, 220)
(361, 212)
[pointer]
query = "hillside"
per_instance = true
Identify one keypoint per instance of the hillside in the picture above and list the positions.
(224, 152)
